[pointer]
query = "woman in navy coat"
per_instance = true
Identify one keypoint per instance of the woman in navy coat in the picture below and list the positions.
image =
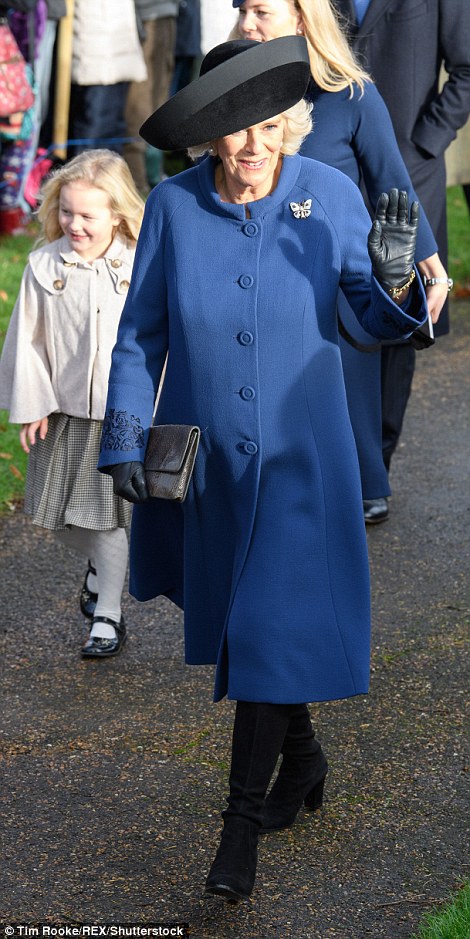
(235, 284)
(352, 131)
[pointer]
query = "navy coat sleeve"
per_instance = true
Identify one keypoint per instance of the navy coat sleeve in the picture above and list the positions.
(382, 164)
(356, 135)
(376, 312)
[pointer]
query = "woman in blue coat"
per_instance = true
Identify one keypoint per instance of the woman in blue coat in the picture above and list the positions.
(235, 285)
(353, 132)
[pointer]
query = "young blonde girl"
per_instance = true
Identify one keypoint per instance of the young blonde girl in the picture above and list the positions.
(54, 372)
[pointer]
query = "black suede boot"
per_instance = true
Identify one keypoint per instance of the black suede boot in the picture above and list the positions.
(301, 776)
(258, 735)
(233, 871)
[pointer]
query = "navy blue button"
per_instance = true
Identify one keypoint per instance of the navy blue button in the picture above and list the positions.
(247, 393)
(250, 447)
(245, 280)
(245, 338)
(250, 229)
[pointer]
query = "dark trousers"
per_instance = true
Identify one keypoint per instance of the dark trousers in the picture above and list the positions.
(97, 115)
(398, 362)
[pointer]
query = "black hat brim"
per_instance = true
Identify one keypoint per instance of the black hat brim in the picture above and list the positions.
(244, 90)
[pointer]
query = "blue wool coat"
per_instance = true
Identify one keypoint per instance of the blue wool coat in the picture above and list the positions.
(267, 556)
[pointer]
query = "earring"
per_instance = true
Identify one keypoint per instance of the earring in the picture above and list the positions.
(300, 31)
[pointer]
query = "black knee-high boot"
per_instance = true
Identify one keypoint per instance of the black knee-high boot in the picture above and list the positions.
(258, 735)
(301, 775)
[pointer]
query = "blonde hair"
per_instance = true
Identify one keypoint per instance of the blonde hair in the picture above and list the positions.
(332, 61)
(101, 169)
(298, 124)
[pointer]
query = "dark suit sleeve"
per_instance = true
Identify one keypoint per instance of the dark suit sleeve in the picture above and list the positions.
(448, 110)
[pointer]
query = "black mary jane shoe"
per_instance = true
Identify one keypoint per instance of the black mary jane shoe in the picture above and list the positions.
(88, 599)
(98, 648)
(375, 511)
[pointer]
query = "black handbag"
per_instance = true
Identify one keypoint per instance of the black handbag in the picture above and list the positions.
(169, 460)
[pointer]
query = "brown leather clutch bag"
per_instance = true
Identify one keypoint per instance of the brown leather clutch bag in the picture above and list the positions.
(169, 460)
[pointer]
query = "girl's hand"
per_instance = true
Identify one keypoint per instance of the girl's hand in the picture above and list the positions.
(28, 433)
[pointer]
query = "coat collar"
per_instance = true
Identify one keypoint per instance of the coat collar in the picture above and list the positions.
(288, 177)
(116, 249)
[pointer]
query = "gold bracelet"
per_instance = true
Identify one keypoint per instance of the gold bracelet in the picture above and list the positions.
(396, 292)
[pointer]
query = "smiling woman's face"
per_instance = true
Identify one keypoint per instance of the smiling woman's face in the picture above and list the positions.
(251, 160)
(263, 20)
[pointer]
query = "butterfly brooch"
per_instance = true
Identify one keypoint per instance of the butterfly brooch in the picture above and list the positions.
(301, 209)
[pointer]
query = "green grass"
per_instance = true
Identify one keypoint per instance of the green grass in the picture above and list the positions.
(13, 255)
(459, 240)
(449, 922)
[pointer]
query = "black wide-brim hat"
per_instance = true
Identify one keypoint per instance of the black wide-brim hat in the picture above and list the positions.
(241, 83)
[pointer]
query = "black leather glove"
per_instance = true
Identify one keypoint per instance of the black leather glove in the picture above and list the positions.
(129, 481)
(392, 239)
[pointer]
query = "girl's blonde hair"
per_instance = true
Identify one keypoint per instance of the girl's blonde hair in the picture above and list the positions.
(298, 124)
(102, 169)
(332, 62)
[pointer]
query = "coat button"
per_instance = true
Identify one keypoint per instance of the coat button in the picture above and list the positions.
(247, 393)
(58, 285)
(245, 338)
(116, 262)
(250, 229)
(245, 280)
(250, 447)
(124, 285)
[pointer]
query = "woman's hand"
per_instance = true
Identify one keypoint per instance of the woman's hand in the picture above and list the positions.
(129, 480)
(436, 295)
(392, 242)
(28, 433)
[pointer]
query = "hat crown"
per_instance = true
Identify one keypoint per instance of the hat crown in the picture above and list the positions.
(223, 52)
